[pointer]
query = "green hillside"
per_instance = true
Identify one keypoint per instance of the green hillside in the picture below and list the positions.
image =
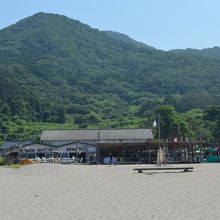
(124, 38)
(213, 52)
(57, 70)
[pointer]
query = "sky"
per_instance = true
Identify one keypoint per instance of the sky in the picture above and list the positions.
(164, 24)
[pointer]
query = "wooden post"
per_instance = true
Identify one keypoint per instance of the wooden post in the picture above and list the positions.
(189, 154)
(123, 152)
(98, 154)
(175, 152)
(200, 155)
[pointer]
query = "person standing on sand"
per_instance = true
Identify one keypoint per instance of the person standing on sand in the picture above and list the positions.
(90, 158)
(110, 159)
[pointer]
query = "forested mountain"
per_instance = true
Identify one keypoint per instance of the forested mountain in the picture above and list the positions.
(213, 52)
(53, 68)
(126, 39)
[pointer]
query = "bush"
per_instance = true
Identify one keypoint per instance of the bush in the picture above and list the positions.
(2, 161)
(94, 118)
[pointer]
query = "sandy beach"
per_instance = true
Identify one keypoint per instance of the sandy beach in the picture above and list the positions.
(54, 191)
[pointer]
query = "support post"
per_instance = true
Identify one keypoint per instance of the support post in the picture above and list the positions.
(192, 154)
(123, 152)
(175, 152)
(149, 154)
(200, 153)
(98, 154)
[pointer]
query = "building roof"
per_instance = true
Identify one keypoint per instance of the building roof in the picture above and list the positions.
(10, 144)
(97, 134)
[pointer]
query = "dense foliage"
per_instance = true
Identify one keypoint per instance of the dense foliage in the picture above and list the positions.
(2, 161)
(213, 52)
(57, 70)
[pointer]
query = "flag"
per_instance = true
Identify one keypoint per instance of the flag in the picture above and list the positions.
(155, 123)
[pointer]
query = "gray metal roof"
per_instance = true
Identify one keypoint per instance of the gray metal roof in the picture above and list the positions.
(97, 134)
(10, 144)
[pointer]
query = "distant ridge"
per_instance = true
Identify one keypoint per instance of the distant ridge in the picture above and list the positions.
(124, 38)
(213, 52)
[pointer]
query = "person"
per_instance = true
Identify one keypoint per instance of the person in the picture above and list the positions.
(94, 158)
(90, 158)
(110, 159)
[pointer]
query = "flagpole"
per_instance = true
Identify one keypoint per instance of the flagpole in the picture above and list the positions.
(159, 130)
(157, 123)
(159, 147)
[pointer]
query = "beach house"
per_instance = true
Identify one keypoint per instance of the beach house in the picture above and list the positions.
(122, 143)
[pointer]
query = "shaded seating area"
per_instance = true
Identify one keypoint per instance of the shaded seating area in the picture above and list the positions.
(146, 153)
(73, 153)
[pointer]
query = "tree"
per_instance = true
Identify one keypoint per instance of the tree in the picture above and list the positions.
(94, 118)
(61, 115)
(212, 114)
(171, 124)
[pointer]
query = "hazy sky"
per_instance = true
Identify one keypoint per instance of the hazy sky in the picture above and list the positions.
(164, 24)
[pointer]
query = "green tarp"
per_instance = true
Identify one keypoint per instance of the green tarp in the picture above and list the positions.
(213, 159)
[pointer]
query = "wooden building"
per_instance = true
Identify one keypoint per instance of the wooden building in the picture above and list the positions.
(103, 141)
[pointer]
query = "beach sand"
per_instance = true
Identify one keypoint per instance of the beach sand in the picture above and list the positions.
(54, 191)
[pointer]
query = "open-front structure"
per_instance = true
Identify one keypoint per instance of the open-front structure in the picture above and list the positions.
(176, 152)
